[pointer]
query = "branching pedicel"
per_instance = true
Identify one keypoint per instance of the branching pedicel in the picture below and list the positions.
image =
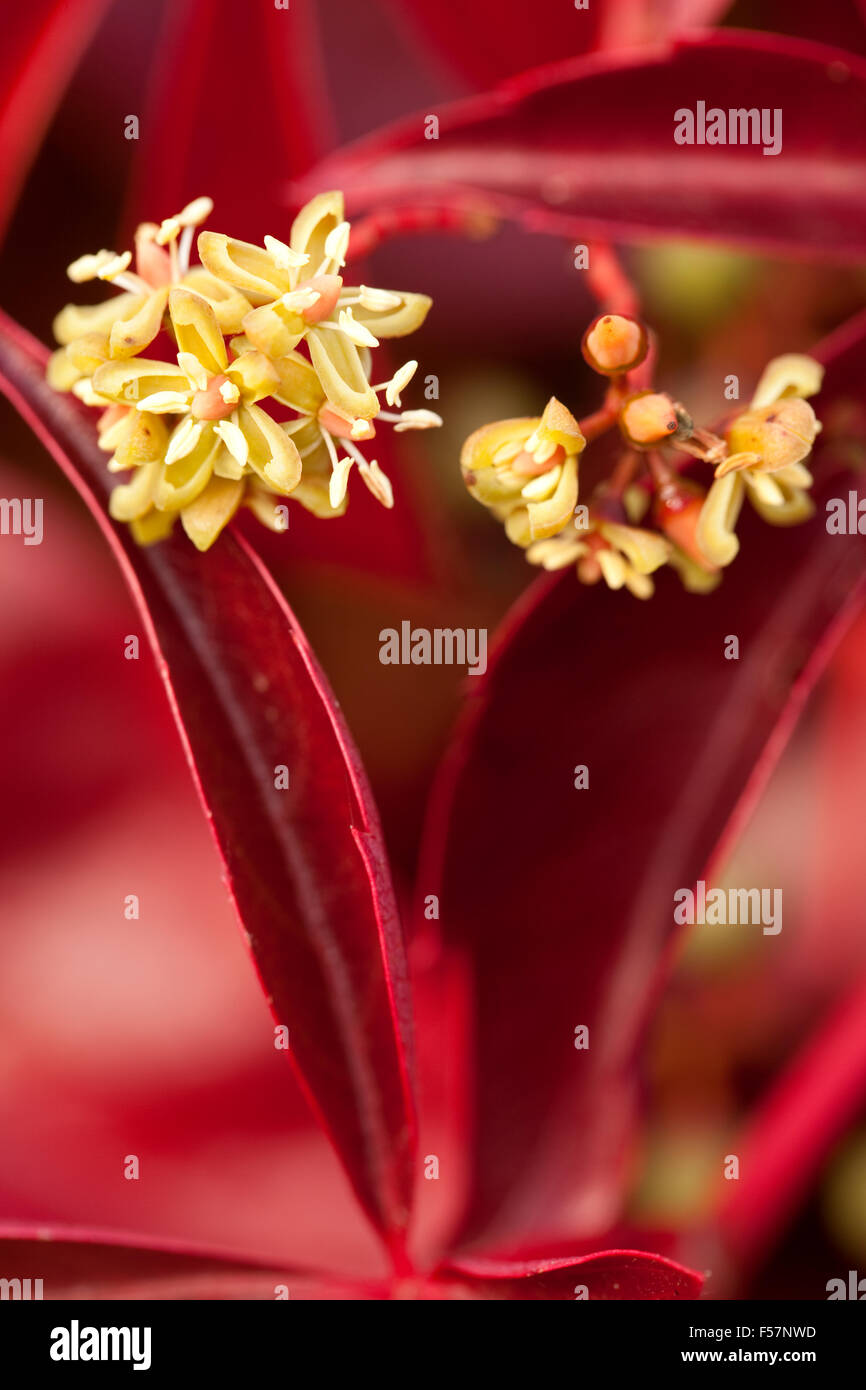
(526, 471)
(191, 430)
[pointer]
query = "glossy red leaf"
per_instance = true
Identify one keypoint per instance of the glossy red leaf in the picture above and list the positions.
(499, 38)
(305, 867)
(267, 62)
(608, 1275)
(563, 898)
(559, 149)
(42, 43)
(80, 1264)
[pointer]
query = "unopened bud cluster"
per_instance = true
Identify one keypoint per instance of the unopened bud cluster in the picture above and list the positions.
(645, 514)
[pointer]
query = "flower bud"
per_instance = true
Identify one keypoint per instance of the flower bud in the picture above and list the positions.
(677, 507)
(613, 344)
(650, 418)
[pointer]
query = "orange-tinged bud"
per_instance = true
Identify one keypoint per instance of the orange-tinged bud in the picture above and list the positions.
(650, 418)
(677, 507)
(614, 343)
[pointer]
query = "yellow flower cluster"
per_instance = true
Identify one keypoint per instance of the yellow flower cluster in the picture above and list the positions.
(525, 471)
(250, 324)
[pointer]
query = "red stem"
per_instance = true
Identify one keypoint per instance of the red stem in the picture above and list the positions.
(786, 1143)
(609, 283)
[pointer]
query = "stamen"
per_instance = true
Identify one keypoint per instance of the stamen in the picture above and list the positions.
(329, 445)
(164, 402)
(378, 301)
(339, 481)
(233, 437)
(296, 301)
(417, 420)
(184, 440)
(613, 567)
(184, 250)
(355, 332)
(109, 270)
(336, 246)
(399, 381)
(195, 212)
(88, 267)
(377, 482)
(285, 258)
(544, 486)
(545, 451)
(193, 370)
(133, 284)
(230, 393)
(169, 230)
(506, 452)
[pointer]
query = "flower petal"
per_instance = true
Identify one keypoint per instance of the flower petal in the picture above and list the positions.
(211, 511)
(559, 426)
(133, 499)
(792, 374)
(76, 320)
(197, 331)
(132, 380)
(131, 335)
(152, 527)
(253, 374)
(228, 303)
(273, 455)
(793, 505)
(341, 373)
(645, 550)
(182, 481)
(274, 329)
(246, 267)
(314, 224)
(299, 385)
(144, 439)
(548, 517)
(715, 528)
(394, 322)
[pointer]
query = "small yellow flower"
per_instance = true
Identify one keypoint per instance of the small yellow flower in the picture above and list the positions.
(299, 294)
(126, 324)
(525, 471)
(328, 440)
(621, 554)
(767, 445)
(221, 436)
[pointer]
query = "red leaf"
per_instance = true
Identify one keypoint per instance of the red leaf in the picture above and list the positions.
(559, 149)
(79, 1264)
(42, 42)
(563, 899)
(276, 121)
(500, 39)
(305, 867)
(608, 1275)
